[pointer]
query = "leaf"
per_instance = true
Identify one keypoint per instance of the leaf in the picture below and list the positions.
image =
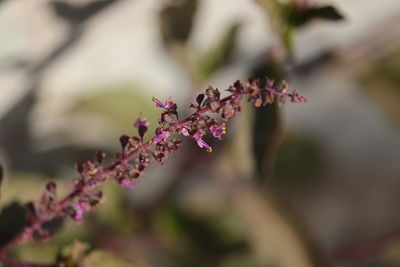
(100, 258)
(328, 13)
(54, 225)
(73, 254)
(12, 221)
(119, 105)
(177, 21)
(219, 55)
(299, 18)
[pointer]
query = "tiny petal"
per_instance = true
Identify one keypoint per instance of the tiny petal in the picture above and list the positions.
(141, 122)
(127, 184)
(158, 103)
(161, 137)
(185, 131)
(78, 215)
(167, 105)
(201, 143)
(218, 130)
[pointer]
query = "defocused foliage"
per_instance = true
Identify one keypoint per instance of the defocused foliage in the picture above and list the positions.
(242, 226)
(218, 56)
(298, 164)
(382, 82)
(12, 221)
(177, 20)
(119, 105)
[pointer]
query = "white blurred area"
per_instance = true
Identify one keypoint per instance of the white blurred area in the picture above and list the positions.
(123, 43)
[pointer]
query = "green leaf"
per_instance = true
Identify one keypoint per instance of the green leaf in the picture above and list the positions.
(12, 221)
(297, 164)
(328, 13)
(73, 254)
(53, 225)
(177, 20)
(100, 258)
(219, 55)
(299, 18)
(119, 105)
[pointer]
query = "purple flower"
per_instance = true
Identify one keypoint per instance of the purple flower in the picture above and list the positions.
(141, 122)
(201, 143)
(218, 130)
(161, 137)
(127, 184)
(282, 99)
(78, 214)
(185, 131)
(167, 105)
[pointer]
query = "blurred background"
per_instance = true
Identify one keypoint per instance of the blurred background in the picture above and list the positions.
(313, 184)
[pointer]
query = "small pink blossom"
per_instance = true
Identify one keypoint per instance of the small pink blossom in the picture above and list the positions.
(167, 105)
(127, 184)
(218, 130)
(201, 143)
(185, 131)
(78, 214)
(161, 137)
(141, 122)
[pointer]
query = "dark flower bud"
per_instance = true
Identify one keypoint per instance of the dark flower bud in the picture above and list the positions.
(124, 140)
(217, 93)
(51, 187)
(238, 86)
(100, 155)
(142, 130)
(80, 166)
(31, 208)
(140, 168)
(158, 131)
(200, 99)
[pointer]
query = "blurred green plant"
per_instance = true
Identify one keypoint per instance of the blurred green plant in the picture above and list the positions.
(298, 162)
(289, 15)
(119, 104)
(218, 56)
(176, 21)
(13, 218)
(381, 81)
